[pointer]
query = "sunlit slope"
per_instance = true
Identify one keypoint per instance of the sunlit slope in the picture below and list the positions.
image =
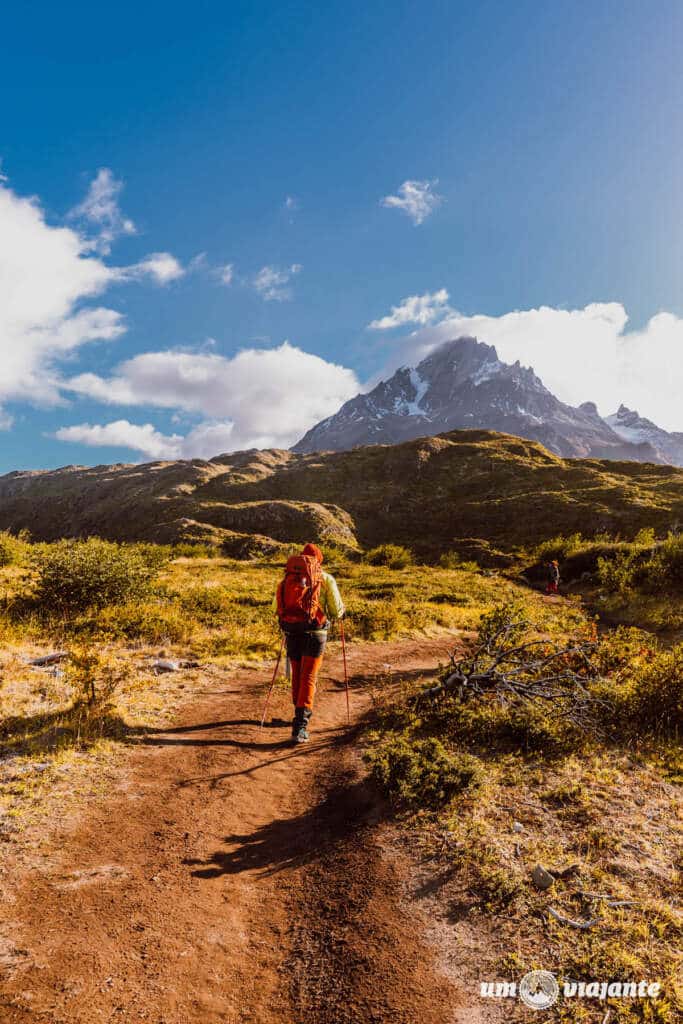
(429, 493)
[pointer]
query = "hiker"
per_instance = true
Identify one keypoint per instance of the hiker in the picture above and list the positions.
(307, 600)
(553, 578)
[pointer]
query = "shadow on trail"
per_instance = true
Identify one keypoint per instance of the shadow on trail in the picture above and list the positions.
(391, 673)
(176, 737)
(285, 744)
(203, 725)
(295, 842)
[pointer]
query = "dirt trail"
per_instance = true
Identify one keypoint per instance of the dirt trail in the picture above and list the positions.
(229, 878)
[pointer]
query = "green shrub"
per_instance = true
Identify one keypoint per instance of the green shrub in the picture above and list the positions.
(153, 622)
(644, 568)
(373, 620)
(510, 615)
(668, 563)
(393, 556)
(452, 560)
(449, 560)
(74, 576)
(656, 704)
(422, 771)
(95, 677)
(617, 574)
(560, 547)
(187, 549)
(208, 605)
(13, 549)
(154, 556)
(643, 685)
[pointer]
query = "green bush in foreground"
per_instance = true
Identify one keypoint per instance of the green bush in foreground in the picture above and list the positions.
(393, 556)
(74, 576)
(13, 548)
(647, 570)
(422, 771)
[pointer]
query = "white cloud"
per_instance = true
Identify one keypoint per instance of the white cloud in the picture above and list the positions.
(44, 275)
(162, 267)
(203, 442)
(272, 284)
(580, 354)
(291, 206)
(416, 309)
(257, 398)
(47, 273)
(415, 198)
(198, 263)
(123, 434)
(101, 209)
(226, 273)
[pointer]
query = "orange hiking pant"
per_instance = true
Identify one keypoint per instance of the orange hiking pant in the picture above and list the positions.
(304, 680)
(305, 653)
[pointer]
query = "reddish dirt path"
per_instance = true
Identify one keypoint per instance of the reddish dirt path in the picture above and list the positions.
(229, 878)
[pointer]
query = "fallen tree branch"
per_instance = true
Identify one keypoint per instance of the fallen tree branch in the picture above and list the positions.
(533, 670)
(609, 899)
(563, 919)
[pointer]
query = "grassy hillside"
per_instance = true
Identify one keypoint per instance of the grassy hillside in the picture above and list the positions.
(431, 493)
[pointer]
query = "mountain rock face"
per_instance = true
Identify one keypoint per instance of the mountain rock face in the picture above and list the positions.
(637, 430)
(464, 385)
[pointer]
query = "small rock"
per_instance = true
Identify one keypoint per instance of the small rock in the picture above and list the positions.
(517, 826)
(568, 872)
(165, 666)
(542, 879)
(49, 659)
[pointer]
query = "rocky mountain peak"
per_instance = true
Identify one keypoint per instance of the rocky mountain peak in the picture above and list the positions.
(463, 384)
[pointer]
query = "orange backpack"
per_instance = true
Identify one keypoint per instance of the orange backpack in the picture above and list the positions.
(298, 594)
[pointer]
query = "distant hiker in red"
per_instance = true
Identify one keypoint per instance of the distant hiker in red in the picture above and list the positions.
(553, 578)
(307, 600)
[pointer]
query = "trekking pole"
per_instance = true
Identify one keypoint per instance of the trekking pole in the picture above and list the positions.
(346, 674)
(272, 682)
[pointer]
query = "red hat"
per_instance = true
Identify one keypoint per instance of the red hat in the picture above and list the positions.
(314, 551)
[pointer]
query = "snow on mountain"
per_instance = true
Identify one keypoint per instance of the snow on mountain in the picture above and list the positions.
(636, 429)
(463, 384)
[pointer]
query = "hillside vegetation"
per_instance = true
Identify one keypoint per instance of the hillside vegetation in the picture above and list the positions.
(481, 493)
(431, 494)
(633, 582)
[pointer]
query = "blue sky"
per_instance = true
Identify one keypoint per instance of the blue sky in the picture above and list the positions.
(545, 141)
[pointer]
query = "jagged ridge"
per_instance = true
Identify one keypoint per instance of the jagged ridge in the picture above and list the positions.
(463, 385)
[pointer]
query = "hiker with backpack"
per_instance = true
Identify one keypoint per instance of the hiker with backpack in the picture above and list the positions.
(553, 578)
(307, 600)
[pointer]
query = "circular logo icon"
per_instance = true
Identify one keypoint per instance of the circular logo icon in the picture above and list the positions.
(539, 990)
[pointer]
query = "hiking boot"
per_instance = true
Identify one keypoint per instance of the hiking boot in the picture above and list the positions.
(300, 725)
(302, 735)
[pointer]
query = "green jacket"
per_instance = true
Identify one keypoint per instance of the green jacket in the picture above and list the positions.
(330, 598)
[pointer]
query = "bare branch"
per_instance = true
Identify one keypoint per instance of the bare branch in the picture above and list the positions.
(533, 670)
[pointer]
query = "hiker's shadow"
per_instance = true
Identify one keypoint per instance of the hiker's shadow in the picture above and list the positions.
(293, 842)
(185, 735)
